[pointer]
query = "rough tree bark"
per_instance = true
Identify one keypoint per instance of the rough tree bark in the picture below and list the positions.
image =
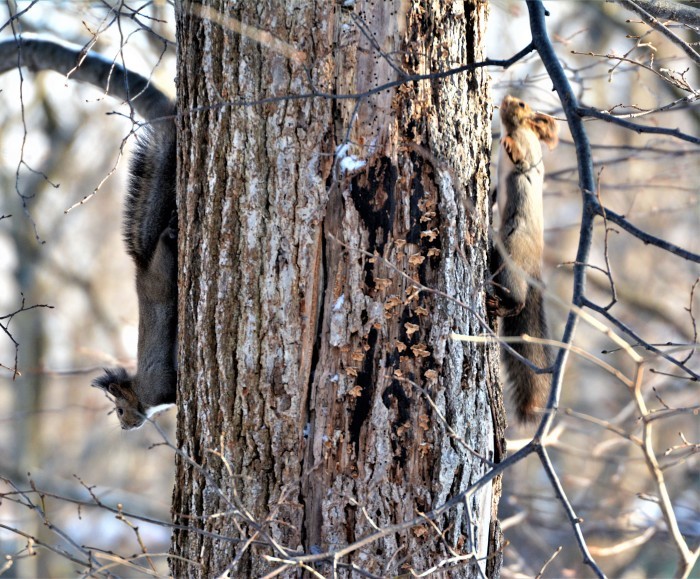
(299, 355)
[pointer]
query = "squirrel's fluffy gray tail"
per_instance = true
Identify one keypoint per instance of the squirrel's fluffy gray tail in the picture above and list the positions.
(530, 390)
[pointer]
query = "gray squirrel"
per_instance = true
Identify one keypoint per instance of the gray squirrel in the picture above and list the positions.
(150, 220)
(519, 196)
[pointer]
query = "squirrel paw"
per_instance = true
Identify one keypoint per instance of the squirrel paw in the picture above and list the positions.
(514, 151)
(503, 308)
(170, 232)
(492, 304)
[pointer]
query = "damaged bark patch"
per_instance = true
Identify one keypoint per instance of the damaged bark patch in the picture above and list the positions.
(365, 380)
(394, 398)
(374, 194)
(417, 194)
(424, 226)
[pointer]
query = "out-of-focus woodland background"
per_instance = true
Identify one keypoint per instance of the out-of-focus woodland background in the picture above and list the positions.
(54, 426)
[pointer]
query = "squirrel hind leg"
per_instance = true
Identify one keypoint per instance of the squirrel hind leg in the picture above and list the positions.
(507, 291)
(500, 304)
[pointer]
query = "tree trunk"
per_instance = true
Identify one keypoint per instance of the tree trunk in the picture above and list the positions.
(306, 359)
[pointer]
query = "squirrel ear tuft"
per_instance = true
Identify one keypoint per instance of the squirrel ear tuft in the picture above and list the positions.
(112, 381)
(546, 128)
(101, 382)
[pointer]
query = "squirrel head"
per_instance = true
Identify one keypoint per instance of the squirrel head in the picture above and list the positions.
(120, 385)
(516, 113)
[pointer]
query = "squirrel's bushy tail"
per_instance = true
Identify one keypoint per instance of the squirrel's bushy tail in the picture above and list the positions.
(530, 390)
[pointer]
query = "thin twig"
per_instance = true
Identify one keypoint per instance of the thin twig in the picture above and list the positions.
(657, 25)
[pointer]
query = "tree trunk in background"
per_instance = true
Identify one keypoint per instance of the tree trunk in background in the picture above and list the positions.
(297, 352)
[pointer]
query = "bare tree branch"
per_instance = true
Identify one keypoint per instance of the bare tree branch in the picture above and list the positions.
(77, 63)
(654, 23)
(646, 238)
(568, 99)
(668, 10)
(591, 112)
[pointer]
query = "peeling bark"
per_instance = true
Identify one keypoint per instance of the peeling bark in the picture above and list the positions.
(298, 352)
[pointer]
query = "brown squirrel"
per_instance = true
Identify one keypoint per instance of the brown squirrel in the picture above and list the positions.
(519, 196)
(150, 225)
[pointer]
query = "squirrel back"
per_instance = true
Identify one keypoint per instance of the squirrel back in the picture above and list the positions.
(150, 200)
